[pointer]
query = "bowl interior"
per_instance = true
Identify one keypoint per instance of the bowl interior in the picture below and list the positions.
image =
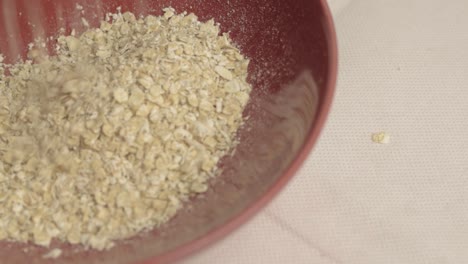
(287, 42)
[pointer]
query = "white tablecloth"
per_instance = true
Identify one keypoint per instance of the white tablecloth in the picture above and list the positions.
(403, 70)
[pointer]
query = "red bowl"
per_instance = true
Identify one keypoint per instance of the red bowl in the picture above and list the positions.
(292, 47)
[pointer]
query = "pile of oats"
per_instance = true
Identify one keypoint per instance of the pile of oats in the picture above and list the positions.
(109, 137)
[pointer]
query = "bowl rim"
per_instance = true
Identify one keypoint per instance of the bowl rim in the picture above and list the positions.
(247, 214)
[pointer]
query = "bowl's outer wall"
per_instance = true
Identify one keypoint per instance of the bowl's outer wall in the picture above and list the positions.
(292, 49)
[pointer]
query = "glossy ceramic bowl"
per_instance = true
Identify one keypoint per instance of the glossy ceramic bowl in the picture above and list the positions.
(292, 47)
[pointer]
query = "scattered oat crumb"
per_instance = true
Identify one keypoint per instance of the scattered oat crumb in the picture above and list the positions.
(381, 138)
(84, 22)
(54, 253)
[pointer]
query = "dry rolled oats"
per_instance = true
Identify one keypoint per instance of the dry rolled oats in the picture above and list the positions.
(113, 134)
